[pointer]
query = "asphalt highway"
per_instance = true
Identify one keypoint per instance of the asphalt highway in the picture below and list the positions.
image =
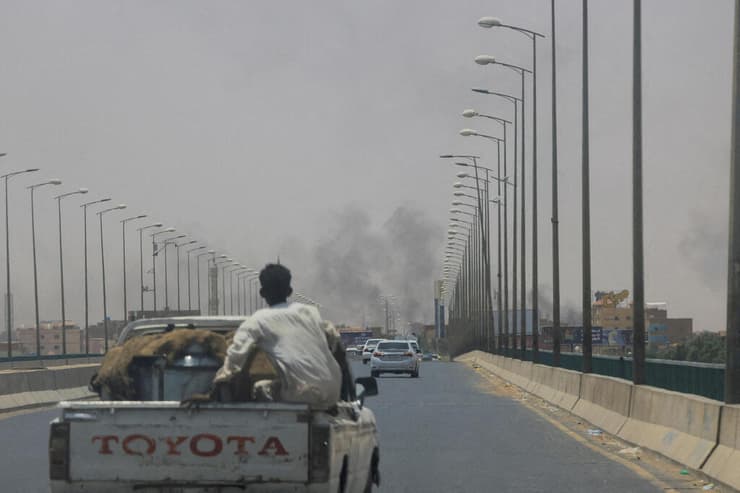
(439, 433)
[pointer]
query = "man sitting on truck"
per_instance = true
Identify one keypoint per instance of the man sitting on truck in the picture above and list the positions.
(294, 339)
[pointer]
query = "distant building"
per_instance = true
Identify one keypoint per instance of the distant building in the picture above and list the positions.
(662, 330)
(50, 338)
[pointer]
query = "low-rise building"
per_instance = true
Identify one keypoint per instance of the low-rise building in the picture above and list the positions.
(51, 338)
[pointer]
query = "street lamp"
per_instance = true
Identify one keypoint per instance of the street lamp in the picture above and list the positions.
(141, 264)
(489, 22)
(123, 228)
(231, 269)
(239, 267)
(32, 188)
(197, 264)
(177, 250)
(188, 252)
(87, 304)
(102, 261)
(155, 252)
(223, 261)
(486, 60)
(165, 243)
(59, 198)
(8, 295)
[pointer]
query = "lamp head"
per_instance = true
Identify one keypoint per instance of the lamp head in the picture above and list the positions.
(468, 132)
(469, 113)
(55, 181)
(462, 174)
(446, 156)
(457, 184)
(82, 190)
(489, 22)
(120, 206)
(458, 194)
(484, 59)
(169, 230)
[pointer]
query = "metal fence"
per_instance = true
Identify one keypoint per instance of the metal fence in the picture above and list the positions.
(702, 379)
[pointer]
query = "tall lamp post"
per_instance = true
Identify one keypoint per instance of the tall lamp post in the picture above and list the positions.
(84, 253)
(165, 243)
(123, 236)
(197, 267)
(188, 252)
(177, 250)
(59, 198)
(141, 264)
(102, 262)
(32, 188)
(231, 269)
(223, 261)
(155, 252)
(8, 296)
(489, 22)
(489, 60)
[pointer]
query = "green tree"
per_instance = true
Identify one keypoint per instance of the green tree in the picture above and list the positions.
(704, 347)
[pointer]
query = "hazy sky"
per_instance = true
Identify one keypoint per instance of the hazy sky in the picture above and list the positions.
(311, 129)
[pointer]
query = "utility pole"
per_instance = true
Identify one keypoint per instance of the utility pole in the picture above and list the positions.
(732, 364)
(555, 226)
(586, 206)
(638, 307)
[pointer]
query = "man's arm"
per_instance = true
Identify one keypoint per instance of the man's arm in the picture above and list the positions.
(248, 334)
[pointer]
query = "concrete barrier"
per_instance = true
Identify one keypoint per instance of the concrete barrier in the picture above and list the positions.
(724, 461)
(555, 385)
(20, 389)
(682, 427)
(604, 401)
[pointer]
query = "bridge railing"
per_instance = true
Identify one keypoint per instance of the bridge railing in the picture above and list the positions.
(702, 379)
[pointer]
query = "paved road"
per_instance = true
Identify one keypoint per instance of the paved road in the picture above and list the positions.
(438, 433)
(441, 433)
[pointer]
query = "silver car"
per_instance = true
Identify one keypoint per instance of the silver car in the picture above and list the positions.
(394, 357)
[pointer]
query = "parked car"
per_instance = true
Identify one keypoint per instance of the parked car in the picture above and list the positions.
(394, 357)
(367, 351)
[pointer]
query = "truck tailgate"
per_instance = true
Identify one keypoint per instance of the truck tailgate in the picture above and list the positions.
(148, 442)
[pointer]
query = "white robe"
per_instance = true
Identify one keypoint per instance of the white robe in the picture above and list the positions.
(298, 342)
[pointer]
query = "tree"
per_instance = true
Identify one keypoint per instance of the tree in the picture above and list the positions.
(704, 347)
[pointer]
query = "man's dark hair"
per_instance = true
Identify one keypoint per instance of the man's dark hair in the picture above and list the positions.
(275, 284)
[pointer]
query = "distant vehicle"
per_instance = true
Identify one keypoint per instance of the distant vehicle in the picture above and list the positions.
(368, 349)
(427, 357)
(156, 444)
(394, 357)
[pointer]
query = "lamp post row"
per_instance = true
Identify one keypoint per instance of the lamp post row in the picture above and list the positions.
(59, 198)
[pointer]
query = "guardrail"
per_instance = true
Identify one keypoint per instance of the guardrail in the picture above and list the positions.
(704, 379)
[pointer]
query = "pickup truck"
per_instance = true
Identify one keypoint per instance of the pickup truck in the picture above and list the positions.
(155, 444)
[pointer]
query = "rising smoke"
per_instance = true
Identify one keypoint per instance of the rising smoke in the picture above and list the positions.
(356, 262)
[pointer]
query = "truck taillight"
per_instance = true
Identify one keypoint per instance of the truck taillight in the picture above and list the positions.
(320, 453)
(59, 451)
(377, 354)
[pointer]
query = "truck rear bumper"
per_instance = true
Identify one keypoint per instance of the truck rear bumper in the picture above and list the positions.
(127, 487)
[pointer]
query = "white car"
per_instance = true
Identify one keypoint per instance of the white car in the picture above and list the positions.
(367, 351)
(394, 357)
